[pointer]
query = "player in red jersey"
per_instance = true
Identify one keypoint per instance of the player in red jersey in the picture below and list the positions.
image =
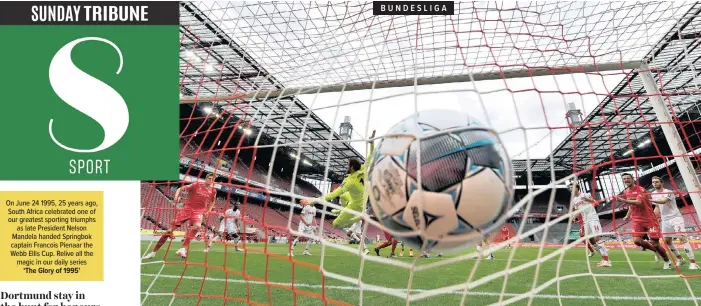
(200, 201)
(390, 240)
(642, 217)
(645, 237)
(505, 234)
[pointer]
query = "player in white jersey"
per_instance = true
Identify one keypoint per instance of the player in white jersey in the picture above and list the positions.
(672, 221)
(306, 226)
(485, 243)
(355, 231)
(592, 226)
(228, 228)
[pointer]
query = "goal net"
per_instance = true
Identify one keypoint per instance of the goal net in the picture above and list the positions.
(276, 97)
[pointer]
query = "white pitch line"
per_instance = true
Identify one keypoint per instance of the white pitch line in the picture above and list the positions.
(231, 252)
(460, 292)
(151, 262)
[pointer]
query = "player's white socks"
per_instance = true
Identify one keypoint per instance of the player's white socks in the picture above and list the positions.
(363, 247)
(689, 252)
(309, 242)
(294, 243)
(211, 242)
(674, 250)
(479, 250)
(603, 250)
(354, 236)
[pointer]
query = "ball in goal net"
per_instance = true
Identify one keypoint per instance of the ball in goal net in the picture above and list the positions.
(277, 97)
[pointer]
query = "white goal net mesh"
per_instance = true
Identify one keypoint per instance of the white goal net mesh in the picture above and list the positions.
(277, 96)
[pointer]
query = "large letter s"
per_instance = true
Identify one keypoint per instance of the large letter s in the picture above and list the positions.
(88, 95)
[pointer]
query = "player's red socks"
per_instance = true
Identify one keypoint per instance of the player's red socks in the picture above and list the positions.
(160, 242)
(657, 249)
(646, 245)
(660, 250)
(384, 245)
(190, 234)
(591, 248)
(394, 245)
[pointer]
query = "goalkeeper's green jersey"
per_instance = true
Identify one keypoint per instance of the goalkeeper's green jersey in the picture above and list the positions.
(353, 184)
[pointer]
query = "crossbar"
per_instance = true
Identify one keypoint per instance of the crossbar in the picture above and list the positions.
(621, 66)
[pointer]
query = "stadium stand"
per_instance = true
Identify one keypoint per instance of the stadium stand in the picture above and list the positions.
(189, 150)
(156, 214)
(155, 211)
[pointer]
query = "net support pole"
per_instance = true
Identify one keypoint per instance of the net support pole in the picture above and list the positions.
(674, 140)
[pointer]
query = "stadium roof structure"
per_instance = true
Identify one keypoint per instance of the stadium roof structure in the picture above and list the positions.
(619, 123)
(212, 65)
(536, 165)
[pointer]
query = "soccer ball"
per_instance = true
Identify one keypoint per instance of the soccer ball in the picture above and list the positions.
(465, 189)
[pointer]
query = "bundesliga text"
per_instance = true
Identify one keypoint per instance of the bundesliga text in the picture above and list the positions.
(413, 8)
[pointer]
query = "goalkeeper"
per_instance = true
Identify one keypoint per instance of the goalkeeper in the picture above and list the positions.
(351, 191)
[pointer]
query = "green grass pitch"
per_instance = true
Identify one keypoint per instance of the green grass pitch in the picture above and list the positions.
(618, 284)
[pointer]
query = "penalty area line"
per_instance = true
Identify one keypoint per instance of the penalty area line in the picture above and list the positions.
(459, 292)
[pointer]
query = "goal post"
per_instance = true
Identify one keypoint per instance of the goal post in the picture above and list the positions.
(674, 140)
